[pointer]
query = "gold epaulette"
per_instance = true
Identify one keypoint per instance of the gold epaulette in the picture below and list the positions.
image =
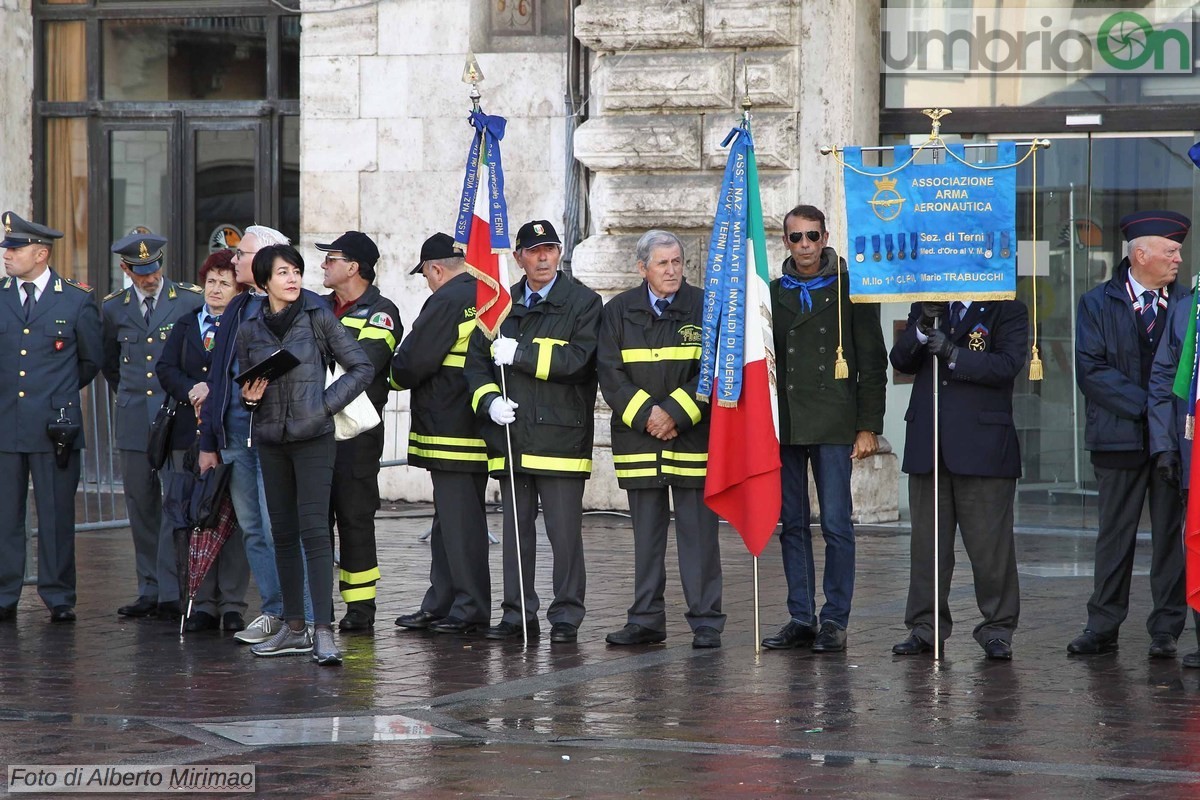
(117, 293)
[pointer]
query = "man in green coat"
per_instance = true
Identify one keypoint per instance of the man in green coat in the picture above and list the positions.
(832, 369)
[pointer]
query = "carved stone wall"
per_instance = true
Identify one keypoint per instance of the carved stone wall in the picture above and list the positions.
(668, 78)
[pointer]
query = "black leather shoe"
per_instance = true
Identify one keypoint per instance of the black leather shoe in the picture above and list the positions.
(142, 607)
(635, 634)
(355, 620)
(791, 636)
(453, 625)
(1192, 660)
(62, 614)
(8, 613)
(831, 639)
(998, 650)
(200, 621)
(1162, 645)
(913, 645)
(705, 636)
(233, 621)
(563, 632)
(169, 611)
(418, 621)
(511, 630)
(1090, 643)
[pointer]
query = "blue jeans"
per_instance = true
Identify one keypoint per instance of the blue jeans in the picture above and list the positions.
(250, 503)
(831, 469)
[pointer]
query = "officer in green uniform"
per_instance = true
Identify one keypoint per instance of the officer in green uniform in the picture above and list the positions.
(137, 322)
(49, 350)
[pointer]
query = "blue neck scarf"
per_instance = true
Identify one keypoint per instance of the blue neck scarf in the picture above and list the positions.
(806, 287)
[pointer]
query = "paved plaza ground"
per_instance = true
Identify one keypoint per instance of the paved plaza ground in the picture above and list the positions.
(411, 714)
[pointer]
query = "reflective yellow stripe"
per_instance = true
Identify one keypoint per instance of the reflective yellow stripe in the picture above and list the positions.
(392, 383)
(450, 455)
(495, 464)
(382, 334)
(637, 473)
(358, 577)
(635, 405)
(352, 595)
(643, 354)
(480, 392)
(671, 454)
(557, 464)
(354, 322)
(450, 440)
(687, 404)
(453, 360)
(686, 471)
(545, 351)
(631, 457)
(465, 329)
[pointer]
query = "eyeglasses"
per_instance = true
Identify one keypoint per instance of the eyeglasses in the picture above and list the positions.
(795, 237)
(331, 259)
(242, 253)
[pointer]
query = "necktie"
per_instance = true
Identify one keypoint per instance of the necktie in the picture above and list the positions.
(534, 299)
(1149, 310)
(661, 305)
(957, 310)
(149, 304)
(29, 288)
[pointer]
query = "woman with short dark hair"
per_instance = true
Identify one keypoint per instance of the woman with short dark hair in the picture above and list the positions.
(292, 427)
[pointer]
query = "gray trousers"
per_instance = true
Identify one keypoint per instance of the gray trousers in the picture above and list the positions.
(224, 587)
(562, 507)
(54, 493)
(153, 539)
(982, 509)
(1122, 495)
(699, 557)
(460, 583)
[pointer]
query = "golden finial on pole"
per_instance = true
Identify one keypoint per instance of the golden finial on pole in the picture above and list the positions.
(472, 74)
(936, 115)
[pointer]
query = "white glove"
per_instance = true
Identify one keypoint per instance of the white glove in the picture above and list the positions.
(502, 411)
(504, 350)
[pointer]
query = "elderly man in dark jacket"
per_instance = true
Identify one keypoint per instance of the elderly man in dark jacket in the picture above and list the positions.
(825, 421)
(1118, 332)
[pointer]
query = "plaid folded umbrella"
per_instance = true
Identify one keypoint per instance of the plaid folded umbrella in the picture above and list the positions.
(205, 545)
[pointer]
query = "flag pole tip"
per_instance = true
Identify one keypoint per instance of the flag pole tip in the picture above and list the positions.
(826, 150)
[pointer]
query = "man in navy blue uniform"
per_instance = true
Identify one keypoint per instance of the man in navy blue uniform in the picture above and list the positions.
(979, 348)
(1118, 331)
(49, 350)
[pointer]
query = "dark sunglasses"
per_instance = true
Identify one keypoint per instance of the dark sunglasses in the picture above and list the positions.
(795, 237)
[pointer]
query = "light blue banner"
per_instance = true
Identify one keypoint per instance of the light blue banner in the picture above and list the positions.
(932, 231)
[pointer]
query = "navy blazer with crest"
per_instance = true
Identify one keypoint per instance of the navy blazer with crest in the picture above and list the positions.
(977, 435)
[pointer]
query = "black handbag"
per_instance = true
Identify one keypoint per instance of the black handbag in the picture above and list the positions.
(159, 444)
(208, 491)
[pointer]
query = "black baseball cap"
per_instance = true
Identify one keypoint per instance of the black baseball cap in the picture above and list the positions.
(356, 245)
(539, 231)
(435, 248)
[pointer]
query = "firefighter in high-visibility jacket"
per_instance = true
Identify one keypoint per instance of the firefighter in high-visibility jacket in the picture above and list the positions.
(547, 348)
(649, 363)
(445, 439)
(354, 497)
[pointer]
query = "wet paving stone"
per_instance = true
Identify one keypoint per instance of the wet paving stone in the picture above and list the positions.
(590, 720)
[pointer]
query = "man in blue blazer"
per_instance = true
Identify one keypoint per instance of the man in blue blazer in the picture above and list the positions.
(979, 348)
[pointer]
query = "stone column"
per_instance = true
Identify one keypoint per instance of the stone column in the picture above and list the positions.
(668, 78)
(16, 124)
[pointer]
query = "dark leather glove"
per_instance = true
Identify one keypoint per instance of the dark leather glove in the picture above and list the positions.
(941, 346)
(930, 314)
(1167, 466)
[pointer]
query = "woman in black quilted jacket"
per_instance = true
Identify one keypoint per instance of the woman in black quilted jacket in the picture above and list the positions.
(292, 427)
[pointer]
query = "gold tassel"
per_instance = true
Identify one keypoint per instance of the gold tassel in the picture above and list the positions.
(1035, 365)
(841, 370)
(1189, 427)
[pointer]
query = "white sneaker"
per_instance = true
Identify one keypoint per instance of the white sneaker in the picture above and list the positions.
(285, 642)
(263, 628)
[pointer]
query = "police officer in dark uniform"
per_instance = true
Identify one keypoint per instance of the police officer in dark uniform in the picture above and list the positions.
(49, 350)
(445, 439)
(548, 346)
(649, 365)
(137, 322)
(375, 322)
